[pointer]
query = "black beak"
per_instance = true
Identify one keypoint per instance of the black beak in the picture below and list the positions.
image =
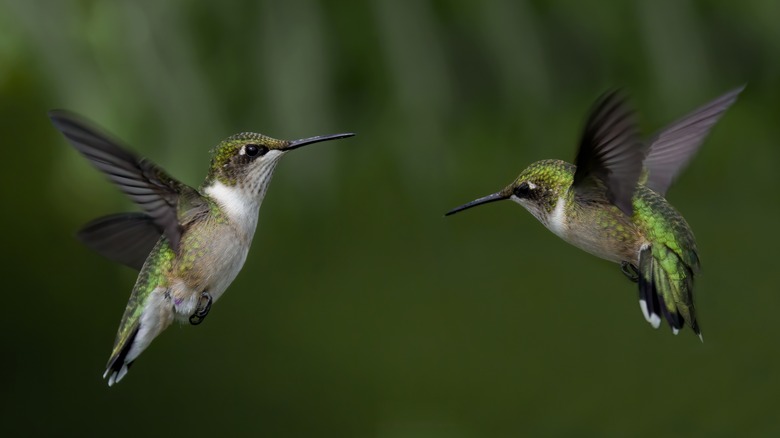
(484, 200)
(295, 144)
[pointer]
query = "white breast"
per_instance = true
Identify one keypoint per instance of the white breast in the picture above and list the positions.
(225, 256)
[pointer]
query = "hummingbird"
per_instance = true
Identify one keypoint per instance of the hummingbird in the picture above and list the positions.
(188, 244)
(611, 201)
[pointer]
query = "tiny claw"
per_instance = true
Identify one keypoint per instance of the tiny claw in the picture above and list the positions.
(204, 305)
(630, 271)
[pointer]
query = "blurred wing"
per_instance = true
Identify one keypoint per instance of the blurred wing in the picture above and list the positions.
(127, 238)
(610, 152)
(674, 146)
(145, 183)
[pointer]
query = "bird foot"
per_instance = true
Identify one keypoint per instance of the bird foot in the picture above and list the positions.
(630, 271)
(204, 305)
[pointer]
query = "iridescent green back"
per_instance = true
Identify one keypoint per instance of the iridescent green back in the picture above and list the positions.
(663, 224)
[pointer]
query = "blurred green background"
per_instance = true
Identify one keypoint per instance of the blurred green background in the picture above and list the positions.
(361, 311)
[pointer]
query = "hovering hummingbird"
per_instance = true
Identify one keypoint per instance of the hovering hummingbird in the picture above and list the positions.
(188, 244)
(611, 202)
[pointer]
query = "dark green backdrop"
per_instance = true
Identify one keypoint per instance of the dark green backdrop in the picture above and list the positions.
(362, 311)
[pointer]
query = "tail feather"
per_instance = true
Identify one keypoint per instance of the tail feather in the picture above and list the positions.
(649, 301)
(117, 365)
(666, 288)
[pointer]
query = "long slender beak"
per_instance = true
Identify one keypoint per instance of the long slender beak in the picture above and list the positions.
(295, 144)
(484, 200)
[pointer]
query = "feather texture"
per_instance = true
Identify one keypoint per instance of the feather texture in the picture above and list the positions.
(127, 238)
(147, 185)
(671, 148)
(610, 152)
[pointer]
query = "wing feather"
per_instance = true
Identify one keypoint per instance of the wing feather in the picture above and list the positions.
(157, 193)
(610, 152)
(127, 238)
(671, 148)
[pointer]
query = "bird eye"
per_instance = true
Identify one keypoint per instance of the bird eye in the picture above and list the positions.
(522, 190)
(254, 150)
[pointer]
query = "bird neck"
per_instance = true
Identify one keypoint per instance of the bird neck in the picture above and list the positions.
(239, 204)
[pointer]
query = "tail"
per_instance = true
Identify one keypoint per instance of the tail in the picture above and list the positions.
(118, 364)
(142, 322)
(666, 288)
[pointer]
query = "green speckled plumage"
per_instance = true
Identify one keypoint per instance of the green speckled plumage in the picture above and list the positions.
(599, 227)
(675, 258)
(154, 274)
(611, 203)
(590, 221)
(192, 266)
(226, 159)
(554, 175)
(654, 219)
(188, 244)
(664, 225)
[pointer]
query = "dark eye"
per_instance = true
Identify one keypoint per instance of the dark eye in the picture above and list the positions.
(254, 150)
(522, 190)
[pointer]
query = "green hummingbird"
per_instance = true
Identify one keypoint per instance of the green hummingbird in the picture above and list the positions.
(188, 244)
(611, 201)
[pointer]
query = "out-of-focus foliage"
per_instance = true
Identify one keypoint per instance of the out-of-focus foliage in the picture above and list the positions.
(361, 311)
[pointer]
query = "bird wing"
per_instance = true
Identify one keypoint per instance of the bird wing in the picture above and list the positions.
(610, 152)
(158, 194)
(127, 238)
(672, 147)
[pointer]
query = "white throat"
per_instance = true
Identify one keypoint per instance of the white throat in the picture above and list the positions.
(240, 206)
(557, 219)
(241, 202)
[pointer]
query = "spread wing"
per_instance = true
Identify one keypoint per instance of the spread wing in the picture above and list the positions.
(159, 195)
(127, 238)
(610, 152)
(673, 147)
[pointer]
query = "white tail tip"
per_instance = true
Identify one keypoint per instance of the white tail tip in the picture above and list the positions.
(116, 376)
(654, 319)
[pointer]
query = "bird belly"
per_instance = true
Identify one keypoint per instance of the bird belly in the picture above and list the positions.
(210, 271)
(604, 247)
(611, 237)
